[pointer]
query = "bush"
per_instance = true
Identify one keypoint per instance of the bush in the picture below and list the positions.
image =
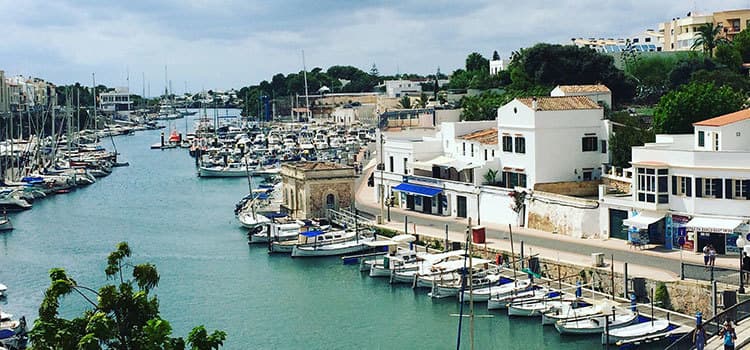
(661, 296)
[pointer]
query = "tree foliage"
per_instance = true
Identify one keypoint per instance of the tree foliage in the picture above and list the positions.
(123, 316)
(627, 132)
(708, 39)
(693, 102)
(728, 56)
(741, 43)
(476, 62)
(485, 105)
(550, 65)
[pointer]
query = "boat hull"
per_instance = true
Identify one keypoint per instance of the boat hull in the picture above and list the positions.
(206, 172)
(299, 251)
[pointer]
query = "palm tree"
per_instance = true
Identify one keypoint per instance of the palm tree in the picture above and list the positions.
(405, 102)
(708, 38)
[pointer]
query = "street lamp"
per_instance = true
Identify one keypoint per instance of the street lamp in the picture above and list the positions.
(741, 244)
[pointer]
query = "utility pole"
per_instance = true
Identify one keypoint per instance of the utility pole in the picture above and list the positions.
(382, 185)
(471, 290)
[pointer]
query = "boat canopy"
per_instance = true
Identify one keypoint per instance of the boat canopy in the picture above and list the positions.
(312, 233)
(417, 189)
(274, 215)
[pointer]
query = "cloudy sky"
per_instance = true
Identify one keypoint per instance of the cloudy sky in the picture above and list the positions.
(221, 44)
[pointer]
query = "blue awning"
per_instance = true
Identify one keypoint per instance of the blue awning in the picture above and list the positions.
(416, 189)
(312, 233)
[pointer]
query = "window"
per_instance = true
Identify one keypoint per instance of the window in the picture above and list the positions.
(472, 149)
(711, 187)
(588, 143)
(485, 154)
(635, 40)
(716, 142)
(464, 145)
(493, 153)
(652, 185)
(604, 146)
(682, 186)
(701, 139)
(741, 189)
(406, 170)
(507, 144)
(390, 159)
(587, 174)
(330, 201)
(648, 40)
(520, 145)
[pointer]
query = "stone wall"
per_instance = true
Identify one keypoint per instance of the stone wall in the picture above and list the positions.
(618, 185)
(562, 214)
(570, 188)
(319, 190)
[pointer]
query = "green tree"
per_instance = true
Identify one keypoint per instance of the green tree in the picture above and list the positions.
(741, 43)
(723, 77)
(122, 316)
(549, 65)
(693, 102)
(476, 62)
(627, 132)
(405, 102)
(728, 55)
(708, 39)
(423, 100)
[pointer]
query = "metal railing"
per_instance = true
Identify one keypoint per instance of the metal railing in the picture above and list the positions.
(736, 313)
(703, 273)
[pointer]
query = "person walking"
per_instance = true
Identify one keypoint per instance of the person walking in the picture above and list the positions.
(699, 337)
(728, 335)
(706, 250)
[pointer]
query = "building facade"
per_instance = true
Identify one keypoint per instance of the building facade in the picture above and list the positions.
(679, 34)
(115, 101)
(648, 41)
(692, 189)
(399, 88)
(311, 188)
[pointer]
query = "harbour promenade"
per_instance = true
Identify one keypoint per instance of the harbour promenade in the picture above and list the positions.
(655, 263)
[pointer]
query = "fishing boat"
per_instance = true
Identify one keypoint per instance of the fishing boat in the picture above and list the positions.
(636, 330)
(573, 310)
(536, 308)
(448, 271)
(453, 288)
(334, 248)
(3, 290)
(595, 325)
(9, 202)
(533, 292)
(407, 272)
(272, 232)
(504, 287)
(5, 225)
(381, 266)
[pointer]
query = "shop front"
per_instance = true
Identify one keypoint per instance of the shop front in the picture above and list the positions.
(721, 233)
(419, 198)
(645, 228)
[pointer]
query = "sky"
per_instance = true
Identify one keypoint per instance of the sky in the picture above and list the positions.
(222, 44)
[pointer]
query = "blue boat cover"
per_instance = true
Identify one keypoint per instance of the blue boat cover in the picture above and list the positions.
(417, 189)
(274, 215)
(262, 195)
(312, 233)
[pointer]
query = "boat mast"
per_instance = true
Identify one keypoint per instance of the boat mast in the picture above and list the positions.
(93, 80)
(307, 98)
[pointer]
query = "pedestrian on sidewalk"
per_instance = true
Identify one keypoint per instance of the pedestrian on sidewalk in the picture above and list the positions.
(699, 337)
(745, 266)
(729, 335)
(705, 255)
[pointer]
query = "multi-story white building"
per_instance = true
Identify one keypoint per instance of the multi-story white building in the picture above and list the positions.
(679, 34)
(552, 139)
(647, 41)
(695, 186)
(115, 101)
(399, 88)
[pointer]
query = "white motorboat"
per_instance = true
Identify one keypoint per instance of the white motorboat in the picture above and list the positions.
(311, 238)
(5, 225)
(230, 170)
(381, 266)
(275, 233)
(573, 310)
(444, 272)
(526, 295)
(332, 249)
(506, 288)
(595, 325)
(453, 288)
(3, 292)
(252, 220)
(636, 330)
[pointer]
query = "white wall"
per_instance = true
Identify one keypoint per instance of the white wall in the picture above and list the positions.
(567, 220)
(735, 136)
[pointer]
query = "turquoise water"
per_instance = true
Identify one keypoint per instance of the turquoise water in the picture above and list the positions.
(185, 225)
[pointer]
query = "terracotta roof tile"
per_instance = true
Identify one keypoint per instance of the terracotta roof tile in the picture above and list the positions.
(725, 119)
(561, 103)
(486, 136)
(584, 88)
(317, 165)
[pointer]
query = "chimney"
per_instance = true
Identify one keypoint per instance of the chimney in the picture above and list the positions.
(534, 104)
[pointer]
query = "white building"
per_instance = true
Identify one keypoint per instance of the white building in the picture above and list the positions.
(647, 41)
(695, 186)
(598, 92)
(399, 88)
(117, 100)
(4, 94)
(497, 65)
(551, 140)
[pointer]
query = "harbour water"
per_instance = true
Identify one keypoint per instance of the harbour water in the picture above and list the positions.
(185, 225)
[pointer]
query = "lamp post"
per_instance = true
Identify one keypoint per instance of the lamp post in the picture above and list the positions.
(741, 244)
(382, 186)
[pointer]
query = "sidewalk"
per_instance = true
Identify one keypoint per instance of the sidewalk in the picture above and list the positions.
(652, 263)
